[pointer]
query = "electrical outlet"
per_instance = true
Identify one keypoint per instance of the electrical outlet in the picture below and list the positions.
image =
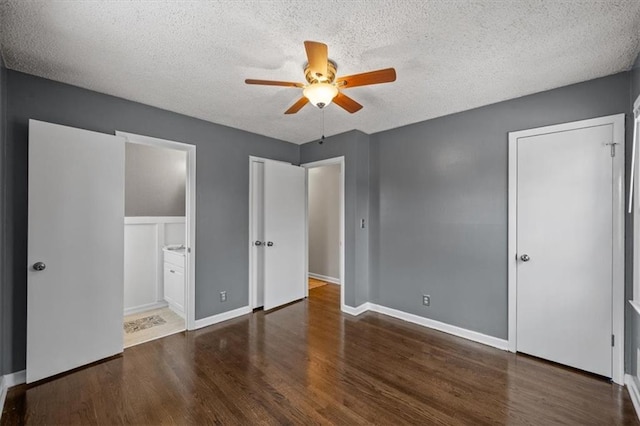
(426, 300)
(223, 296)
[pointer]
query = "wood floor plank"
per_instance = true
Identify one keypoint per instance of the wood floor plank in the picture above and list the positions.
(308, 363)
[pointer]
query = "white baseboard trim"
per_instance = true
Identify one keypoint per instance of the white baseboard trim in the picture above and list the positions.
(8, 381)
(357, 310)
(225, 316)
(426, 322)
(634, 392)
(326, 278)
(143, 308)
(444, 327)
(176, 310)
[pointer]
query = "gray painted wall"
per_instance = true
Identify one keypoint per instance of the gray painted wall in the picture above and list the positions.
(354, 146)
(222, 189)
(324, 221)
(433, 195)
(439, 214)
(155, 180)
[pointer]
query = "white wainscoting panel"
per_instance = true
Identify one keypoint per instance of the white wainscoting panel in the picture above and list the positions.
(144, 238)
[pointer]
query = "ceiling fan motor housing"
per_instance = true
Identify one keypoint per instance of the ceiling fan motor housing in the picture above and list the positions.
(332, 69)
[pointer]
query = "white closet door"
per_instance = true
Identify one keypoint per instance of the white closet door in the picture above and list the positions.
(284, 231)
(75, 248)
(565, 246)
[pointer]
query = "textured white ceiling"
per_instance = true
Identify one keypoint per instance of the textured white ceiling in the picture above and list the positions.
(192, 56)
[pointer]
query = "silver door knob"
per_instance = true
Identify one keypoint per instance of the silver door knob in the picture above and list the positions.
(258, 243)
(525, 258)
(39, 266)
(269, 244)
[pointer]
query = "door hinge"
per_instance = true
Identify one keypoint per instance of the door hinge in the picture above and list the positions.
(613, 340)
(613, 148)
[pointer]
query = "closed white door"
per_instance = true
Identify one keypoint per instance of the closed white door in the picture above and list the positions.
(284, 234)
(75, 248)
(565, 247)
(257, 233)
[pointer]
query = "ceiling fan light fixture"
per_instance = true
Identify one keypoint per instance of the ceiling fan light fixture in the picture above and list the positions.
(320, 94)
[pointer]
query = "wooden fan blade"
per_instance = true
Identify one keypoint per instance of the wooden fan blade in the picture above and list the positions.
(273, 83)
(318, 56)
(386, 75)
(297, 106)
(347, 103)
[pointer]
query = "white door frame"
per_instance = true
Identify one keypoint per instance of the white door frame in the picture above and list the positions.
(190, 215)
(618, 230)
(328, 162)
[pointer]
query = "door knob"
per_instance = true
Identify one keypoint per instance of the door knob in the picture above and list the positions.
(39, 266)
(269, 244)
(525, 258)
(258, 243)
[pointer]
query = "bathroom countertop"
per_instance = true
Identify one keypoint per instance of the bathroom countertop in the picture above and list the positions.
(177, 249)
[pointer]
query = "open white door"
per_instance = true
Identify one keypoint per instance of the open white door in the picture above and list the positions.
(75, 248)
(284, 231)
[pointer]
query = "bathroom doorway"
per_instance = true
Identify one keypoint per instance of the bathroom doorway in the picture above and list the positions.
(158, 260)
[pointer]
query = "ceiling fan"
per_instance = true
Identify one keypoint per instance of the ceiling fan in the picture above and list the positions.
(323, 86)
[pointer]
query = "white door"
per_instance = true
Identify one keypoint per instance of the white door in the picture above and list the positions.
(565, 247)
(284, 233)
(257, 233)
(76, 233)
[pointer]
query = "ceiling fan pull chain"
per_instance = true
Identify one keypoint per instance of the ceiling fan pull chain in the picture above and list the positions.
(322, 138)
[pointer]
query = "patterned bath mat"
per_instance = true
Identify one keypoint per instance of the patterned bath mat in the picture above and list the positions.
(143, 323)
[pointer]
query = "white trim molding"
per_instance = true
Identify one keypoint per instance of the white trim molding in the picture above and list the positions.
(139, 220)
(635, 305)
(444, 327)
(618, 210)
(144, 308)
(429, 323)
(225, 316)
(325, 278)
(634, 392)
(8, 381)
(357, 310)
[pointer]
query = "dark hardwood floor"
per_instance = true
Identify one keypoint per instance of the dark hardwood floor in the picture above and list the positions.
(307, 364)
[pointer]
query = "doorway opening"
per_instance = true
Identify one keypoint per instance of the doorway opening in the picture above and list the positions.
(159, 237)
(325, 225)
